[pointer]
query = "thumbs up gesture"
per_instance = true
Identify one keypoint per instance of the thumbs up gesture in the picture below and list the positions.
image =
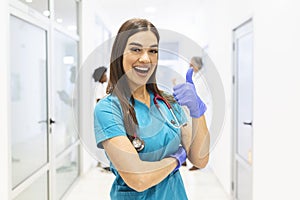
(186, 95)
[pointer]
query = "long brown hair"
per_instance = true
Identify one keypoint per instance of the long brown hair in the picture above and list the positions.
(118, 84)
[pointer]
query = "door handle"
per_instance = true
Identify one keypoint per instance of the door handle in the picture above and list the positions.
(52, 121)
(45, 121)
(247, 123)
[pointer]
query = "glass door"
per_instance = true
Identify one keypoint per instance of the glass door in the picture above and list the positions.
(28, 106)
(43, 67)
(65, 105)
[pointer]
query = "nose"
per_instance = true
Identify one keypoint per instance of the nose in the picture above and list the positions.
(144, 58)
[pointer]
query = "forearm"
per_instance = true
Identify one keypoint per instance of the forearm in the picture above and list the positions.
(153, 173)
(137, 174)
(198, 152)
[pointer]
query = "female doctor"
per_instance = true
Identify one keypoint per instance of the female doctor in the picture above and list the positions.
(142, 129)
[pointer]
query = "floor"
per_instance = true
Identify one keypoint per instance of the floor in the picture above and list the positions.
(200, 185)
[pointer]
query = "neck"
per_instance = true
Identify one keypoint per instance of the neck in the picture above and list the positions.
(141, 93)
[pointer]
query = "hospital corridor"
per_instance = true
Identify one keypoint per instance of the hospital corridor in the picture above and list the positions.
(162, 99)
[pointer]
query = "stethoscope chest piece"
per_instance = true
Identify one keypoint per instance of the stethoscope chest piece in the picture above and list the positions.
(138, 144)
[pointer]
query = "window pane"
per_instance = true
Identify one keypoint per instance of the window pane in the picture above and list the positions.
(66, 172)
(37, 190)
(65, 102)
(66, 14)
(28, 99)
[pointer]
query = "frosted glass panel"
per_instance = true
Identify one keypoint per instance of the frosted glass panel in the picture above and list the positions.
(65, 101)
(28, 99)
(66, 172)
(37, 190)
(39, 5)
(66, 14)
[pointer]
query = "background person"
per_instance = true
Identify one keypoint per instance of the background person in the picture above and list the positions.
(100, 77)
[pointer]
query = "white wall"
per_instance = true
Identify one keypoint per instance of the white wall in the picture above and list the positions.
(276, 100)
(4, 186)
(215, 32)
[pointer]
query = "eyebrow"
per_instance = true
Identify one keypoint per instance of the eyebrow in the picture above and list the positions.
(138, 44)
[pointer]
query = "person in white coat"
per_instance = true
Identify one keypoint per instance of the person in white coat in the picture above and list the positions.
(100, 77)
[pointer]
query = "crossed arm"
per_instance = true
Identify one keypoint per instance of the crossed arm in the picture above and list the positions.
(137, 174)
(141, 175)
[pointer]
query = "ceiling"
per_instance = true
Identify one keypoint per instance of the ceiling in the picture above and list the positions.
(163, 14)
(176, 15)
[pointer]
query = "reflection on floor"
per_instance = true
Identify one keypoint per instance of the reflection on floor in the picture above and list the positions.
(200, 185)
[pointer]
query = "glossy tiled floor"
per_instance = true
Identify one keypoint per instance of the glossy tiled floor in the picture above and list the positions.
(200, 185)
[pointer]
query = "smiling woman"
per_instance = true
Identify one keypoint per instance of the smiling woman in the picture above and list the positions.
(144, 148)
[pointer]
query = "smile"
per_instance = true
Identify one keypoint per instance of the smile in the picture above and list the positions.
(142, 70)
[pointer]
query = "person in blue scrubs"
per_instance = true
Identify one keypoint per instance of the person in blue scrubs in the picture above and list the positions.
(145, 141)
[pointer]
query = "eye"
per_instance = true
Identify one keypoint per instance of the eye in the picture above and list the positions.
(135, 49)
(153, 51)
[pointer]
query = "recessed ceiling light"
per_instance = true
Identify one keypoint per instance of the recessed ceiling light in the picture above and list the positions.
(28, 1)
(46, 13)
(68, 60)
(150, 9)
(59, 20)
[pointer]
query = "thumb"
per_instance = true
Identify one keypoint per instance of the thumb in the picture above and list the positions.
(189, 75)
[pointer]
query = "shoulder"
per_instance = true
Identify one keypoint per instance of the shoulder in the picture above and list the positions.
(108, 99)
(108, 103)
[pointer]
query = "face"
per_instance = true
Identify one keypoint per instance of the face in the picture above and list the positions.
(103, 78)
(193, 65)
(140, 57)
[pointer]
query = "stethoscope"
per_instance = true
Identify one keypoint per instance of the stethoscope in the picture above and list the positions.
(137, 142)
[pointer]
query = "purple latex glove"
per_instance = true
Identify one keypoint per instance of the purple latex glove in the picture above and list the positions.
(180, 156)
(186, 95)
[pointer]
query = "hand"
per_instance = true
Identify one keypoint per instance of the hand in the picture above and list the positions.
(186, 95)
(180, 156)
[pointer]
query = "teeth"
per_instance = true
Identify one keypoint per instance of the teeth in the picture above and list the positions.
(142, 69)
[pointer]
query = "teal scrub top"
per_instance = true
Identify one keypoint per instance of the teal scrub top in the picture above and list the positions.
(160, 137)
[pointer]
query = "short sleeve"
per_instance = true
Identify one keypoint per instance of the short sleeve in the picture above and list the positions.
(108, 120)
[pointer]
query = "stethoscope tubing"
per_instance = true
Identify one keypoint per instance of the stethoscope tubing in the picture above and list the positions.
(173, 123)
(137, 142)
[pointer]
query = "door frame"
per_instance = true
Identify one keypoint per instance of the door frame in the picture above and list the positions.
(235, 109)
